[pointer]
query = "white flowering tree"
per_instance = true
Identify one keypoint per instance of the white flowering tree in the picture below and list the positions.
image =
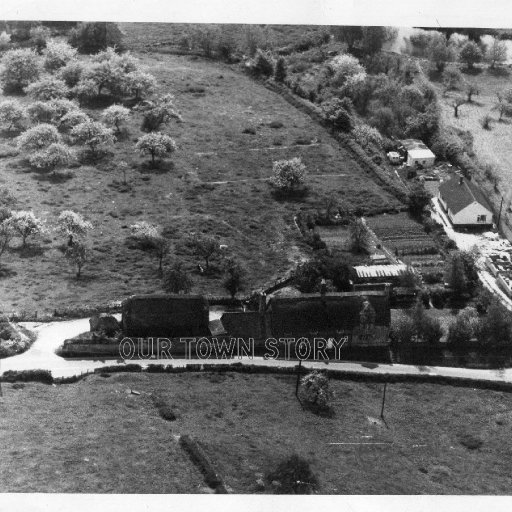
(72, 119)
(158, 112)
(94, 135)
(19, 68)
(38, 137)
(71, 72)
(288, 175)
(85, 90)
(73, 225)
(57, 54)
(47, 88)
(150, 238)
(343, 67)
(50, 158)
(156, 144)
(115, 116)
(140, 84)
(25, 224)
(12, 115)
(41, 112)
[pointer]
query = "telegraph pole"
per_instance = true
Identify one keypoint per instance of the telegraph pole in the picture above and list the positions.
(499, 215)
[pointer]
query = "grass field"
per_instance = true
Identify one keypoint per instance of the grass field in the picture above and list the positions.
(93, 436)
(492, 146)
(185, 195)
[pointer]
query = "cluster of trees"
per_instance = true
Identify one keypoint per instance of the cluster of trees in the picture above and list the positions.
(58, 83)
(417, 325)
(176, 278)
(441, 50)
(25, 225)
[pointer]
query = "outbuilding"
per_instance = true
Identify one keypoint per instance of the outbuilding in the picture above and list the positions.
(417, 153)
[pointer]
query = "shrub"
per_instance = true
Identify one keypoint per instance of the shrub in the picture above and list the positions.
(280, 71)
(314, 391)
(336, 116)
(163, 408)
(48, 159)
(72, 119)
(38, 137)
(39, 36)
(19, 68)
(464, 328)
(47, 88)
(85, 90)
(234, 277)
(5, 41)
(156, 144)
(343, 67)
(12, 115)
(94, 37)
(452, 78)
(115, 116)
(77, 255)
(403, 330)
(177, 280)
(263, 64)
(44, 376)
(367, 135)
(71, 73)
(288, 175)
(150, 237)
(360, 239)
(158, 112)
(92, 134)
(485, 122)
(58, 54)
(294, 476)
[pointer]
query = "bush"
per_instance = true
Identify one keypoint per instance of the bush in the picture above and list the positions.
(57, 55)
(71, 73)
(38, 137)
(48, 88)
(12, 115)
(43, 376)
(438, 295)
(163, 408)
(72, 119)
(336, 116)
(294, 476)
(403, 330)
(280, 71)
(19, 69)
(314, 392)
(94, 37)
(48, 159)
(288, 175)
(263, 64)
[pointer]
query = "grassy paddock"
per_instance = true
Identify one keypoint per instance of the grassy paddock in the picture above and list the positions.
(212, 147)
(64, 438)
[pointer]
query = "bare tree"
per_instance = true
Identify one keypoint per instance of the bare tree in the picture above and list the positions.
(456, 103)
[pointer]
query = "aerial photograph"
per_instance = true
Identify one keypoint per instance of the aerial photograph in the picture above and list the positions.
(255, 259)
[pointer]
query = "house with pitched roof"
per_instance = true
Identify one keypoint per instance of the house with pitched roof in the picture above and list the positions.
(464, 203)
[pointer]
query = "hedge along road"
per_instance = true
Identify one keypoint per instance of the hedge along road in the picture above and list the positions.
(51, 335)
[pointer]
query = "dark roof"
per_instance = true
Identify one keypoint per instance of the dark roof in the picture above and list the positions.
(310, 314)
(409, 144)
(166, 316)
(458, 196)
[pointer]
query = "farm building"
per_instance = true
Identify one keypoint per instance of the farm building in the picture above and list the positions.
(331, 316)
(417, 153)
(464, 203)
(380, 273)
(169, 316)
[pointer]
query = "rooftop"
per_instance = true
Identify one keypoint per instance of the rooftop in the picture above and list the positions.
(460, 192)
(380, 270)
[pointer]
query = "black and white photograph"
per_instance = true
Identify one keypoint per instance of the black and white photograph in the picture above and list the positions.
(255, 258)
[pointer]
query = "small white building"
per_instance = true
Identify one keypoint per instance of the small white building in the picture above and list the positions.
(394, 157)
(464, 203)
(418, 153)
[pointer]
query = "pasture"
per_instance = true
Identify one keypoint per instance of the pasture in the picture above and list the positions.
(95, 436)
(214, 183)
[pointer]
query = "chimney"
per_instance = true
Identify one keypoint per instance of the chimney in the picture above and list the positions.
(461, 180)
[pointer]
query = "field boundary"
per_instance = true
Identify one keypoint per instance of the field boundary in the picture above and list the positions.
(356, 375)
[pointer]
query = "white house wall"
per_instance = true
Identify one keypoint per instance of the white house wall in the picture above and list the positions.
(470, 214)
